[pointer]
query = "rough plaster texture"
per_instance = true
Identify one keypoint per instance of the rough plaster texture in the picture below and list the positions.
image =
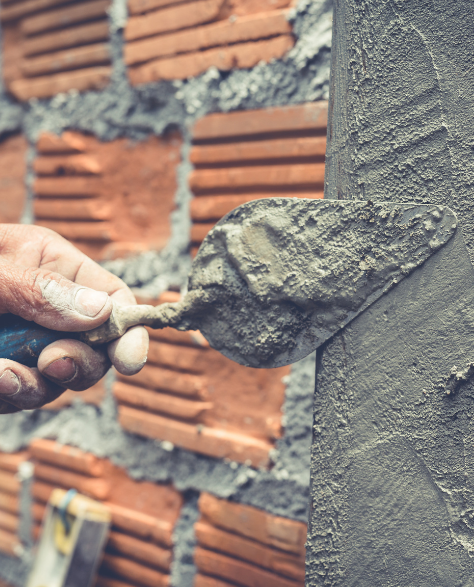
(135, 113)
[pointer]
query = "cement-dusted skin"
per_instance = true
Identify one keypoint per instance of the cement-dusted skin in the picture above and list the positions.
(392, 495)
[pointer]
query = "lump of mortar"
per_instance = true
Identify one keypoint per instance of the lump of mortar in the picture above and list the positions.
(275, 278)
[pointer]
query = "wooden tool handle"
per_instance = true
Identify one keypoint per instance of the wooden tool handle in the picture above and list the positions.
(22, 341)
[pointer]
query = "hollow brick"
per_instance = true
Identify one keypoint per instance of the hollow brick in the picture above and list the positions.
(63, 17)
(286, 564)
(172, 18)
(305, 117)
(271, 176)
(9, 543)
(9, 483)
(109, 582)
(68, 457)
(68, 143)
(247, 28)
(238, 56)
(206, 581)
(68, 165)
(59, 209)
(205, 208)
(153, 401)
(250, 522)
(9, 503)
(141, 6)
(90, 78)
(159, 379)
(9, 522)
(189, 338)
(19, 9)
(199, 231)
(87, 56)
(135, 572)
(93, 32)
(141, 525)
(11, 462)
(239, 572)
(41, 492)
(202, 439)
(179, 358)
(102, 232)
(139, 550)
(250, 151)
(95, 488)
(12, 178)
(67, 187)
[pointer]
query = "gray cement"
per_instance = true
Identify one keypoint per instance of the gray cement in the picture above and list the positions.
(136, 113)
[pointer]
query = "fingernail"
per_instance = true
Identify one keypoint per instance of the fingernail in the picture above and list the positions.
(90, 302)
(62, 369)
(9, 383)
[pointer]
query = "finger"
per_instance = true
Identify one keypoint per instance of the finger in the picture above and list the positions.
(50, 299)
(129, 352)
(24, 388)
(73, 364)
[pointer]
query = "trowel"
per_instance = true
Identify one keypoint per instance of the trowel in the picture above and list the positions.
(276, 278)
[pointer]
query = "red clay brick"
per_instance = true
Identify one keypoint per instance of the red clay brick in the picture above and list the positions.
(178, 358)
(12, 178)
(282, 533)
(191, 338)
(283, 563)
(69, 165)
(238, 56)
(11, 462)
(96, 488)
(247, 28)
(108, 582)
(42, 491)
(238, 572)
(210, 441)
(68, 457)
(271, 176)
(243, 152)
(152, 377)
(206, 581)
(9, 503)
(67, 187)
(9, 543)
(243, 7)
(81, 231)
(8, 522)
(138, 550)
(87, 56)
(135, 572)
(305, 117)
(68, 143)
(141, 6)
(172, 19)
(94, 395)
(142, 525)
(67, 210)
(91, 78)
(19, 9)
(9, 483)
(205, 208)
(57, 19)
(63, 39)
(143, 399)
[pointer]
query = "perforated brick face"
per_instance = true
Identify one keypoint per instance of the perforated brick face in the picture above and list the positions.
(110, 199)
(12, 178)
(170, 39)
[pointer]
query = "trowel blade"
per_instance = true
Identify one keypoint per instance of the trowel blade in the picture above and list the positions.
(278, 277)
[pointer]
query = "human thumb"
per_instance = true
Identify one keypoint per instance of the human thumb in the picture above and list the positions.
(51, 300)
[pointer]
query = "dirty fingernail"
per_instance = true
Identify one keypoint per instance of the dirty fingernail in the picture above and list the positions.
(9, 383)
(90, 302)
(62, 369)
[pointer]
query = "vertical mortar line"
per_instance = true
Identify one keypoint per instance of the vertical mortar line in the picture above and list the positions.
(25, 530)
(118, 16)
(183, 570)
(28, 216)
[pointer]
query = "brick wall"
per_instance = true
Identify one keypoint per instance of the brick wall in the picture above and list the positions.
(170, 39)
(12, 178)
(10, 489)
(53, 46)
(139, 549)
(110, 199)
(194, 397)
(244, 156)
(242, 545)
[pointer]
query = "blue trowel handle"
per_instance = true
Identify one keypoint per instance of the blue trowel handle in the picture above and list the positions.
(22, 341)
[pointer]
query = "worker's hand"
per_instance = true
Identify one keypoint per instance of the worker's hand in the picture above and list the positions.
(46, 279)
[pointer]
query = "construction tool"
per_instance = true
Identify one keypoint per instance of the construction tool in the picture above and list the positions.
(276, 278)
(74, 532)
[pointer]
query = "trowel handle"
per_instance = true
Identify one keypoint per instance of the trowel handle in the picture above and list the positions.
(22, 341)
